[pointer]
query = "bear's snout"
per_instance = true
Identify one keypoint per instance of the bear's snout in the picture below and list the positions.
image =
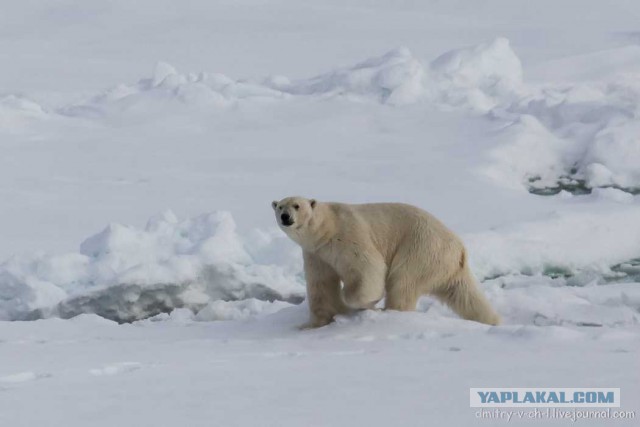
(286, 219)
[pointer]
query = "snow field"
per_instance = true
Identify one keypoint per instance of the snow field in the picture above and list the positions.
(525, 144)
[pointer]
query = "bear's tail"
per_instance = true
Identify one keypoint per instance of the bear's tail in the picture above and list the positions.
(463, 294)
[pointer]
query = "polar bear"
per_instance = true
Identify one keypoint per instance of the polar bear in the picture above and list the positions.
(377, 250)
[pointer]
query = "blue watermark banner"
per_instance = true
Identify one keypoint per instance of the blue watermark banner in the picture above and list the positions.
(544, 397)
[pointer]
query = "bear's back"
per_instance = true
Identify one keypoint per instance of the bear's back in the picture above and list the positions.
(392, 224)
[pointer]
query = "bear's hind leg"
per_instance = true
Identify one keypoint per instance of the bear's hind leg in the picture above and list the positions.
(401, 296)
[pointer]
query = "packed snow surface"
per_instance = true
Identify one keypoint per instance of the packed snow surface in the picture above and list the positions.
(143, 280)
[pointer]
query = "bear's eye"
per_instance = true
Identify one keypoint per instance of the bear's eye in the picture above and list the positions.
(280, 208)
(296, 207)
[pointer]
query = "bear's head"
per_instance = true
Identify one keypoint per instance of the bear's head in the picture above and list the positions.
(293, 213)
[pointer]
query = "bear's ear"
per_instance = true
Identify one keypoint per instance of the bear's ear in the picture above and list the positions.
(312, 202)
(274, 205)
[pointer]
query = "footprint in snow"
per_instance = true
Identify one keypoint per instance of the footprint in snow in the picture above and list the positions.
(23, 377)
(116, 368)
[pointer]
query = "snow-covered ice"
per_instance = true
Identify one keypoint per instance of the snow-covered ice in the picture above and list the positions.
(127, 274)
(142, 279)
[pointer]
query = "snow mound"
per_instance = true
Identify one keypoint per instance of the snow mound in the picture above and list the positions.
(543, 164)
(477, 78)
(18, 112)
(574, 136)
(560, 245)
(124, 273)
(394, 78)
(165, 87)
(480, 77)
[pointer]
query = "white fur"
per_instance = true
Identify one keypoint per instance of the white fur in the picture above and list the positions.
(379, 250)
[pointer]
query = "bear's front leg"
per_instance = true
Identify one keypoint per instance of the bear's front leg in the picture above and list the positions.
(364, 284)
(323, 292)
